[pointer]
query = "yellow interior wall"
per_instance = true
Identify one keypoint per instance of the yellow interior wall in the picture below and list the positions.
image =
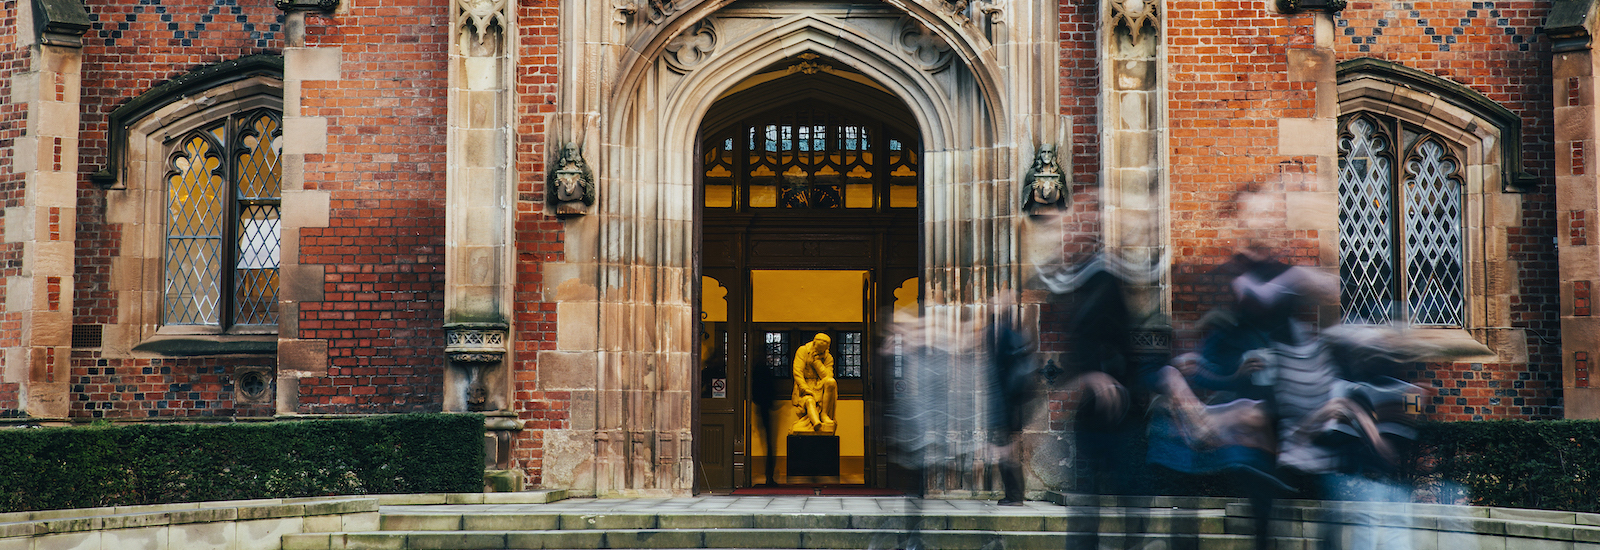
(849, 414)
(806, 296)
(713, 300)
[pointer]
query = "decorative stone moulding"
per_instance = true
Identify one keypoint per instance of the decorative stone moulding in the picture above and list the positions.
(60, 22)
(476, 347)
(1135, 14)
(475, 342)
(1045, 185)
(253, 385)
(925, 49)
(482, 24)
(655, 11)
(1321, 6)
(692, 48)
(308, 5)
(571, 183)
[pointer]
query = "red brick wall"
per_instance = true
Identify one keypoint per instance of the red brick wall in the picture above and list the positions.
(1495, 48)
(160, 388)
(1228, 85)
(538, 236)
(13, 124)
(383, 252)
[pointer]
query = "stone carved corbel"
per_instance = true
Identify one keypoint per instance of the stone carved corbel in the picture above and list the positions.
(1044, 187)
(476, 347)
(692, 48)
(571, 183)
(1135, 14)
(925, 48)
(483, 23)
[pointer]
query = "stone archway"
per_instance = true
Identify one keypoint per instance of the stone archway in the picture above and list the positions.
(626, 288)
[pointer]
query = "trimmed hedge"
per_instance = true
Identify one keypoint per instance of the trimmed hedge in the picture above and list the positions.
(1548, 464)
(49, 468)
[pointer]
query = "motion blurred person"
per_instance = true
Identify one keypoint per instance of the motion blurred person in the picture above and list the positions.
(1012, 394)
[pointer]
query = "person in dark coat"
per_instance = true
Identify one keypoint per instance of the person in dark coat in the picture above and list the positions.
(1012, 395)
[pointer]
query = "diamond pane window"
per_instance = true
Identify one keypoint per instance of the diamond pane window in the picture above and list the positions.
(222, 223)
(1399, 230)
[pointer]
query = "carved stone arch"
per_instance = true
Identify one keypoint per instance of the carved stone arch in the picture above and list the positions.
(628, 276)
(968, 45)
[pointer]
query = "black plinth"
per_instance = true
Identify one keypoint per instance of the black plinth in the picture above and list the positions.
(813, 454)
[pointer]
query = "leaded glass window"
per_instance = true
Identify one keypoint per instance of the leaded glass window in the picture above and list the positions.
(1400, 216)
(223, 189)
(810, 158)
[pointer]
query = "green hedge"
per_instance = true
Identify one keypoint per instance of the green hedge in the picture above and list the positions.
(47, 468)
(1549, 464)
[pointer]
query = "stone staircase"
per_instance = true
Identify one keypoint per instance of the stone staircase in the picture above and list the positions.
(808, 523)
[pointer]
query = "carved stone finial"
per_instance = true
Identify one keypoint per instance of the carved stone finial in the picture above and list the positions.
(692, 48)
(1135, 14)
(571, 183)
(1044, 186)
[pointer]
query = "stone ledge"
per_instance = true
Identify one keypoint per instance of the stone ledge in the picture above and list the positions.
(47, 522)
(521, 497)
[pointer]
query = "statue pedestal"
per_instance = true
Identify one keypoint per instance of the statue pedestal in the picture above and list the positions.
(813, 454)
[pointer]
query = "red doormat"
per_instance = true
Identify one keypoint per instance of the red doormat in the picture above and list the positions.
(817, 490)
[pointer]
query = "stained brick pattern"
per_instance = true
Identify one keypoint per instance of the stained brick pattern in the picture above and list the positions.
(1578, 227)
(165, 388)
(1492, 47)
(1486, 391)
(1580, 369)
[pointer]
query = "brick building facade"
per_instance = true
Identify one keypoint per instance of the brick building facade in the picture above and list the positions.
(237, 209)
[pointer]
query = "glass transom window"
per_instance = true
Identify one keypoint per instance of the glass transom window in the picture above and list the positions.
(810, 158)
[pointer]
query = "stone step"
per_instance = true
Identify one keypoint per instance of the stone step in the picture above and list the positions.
(1053, 520)
(816, 539)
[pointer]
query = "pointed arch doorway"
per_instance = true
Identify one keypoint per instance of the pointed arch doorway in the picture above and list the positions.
(808, 194)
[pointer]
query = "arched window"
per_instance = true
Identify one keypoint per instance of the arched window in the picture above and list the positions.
(223, 189)
(1400, 224)
(195, 182)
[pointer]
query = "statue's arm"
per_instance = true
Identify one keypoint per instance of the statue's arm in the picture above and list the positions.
(802, 386)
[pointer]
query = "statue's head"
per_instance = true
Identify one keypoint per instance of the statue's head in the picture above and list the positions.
(1047, 154)
(821, 341)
